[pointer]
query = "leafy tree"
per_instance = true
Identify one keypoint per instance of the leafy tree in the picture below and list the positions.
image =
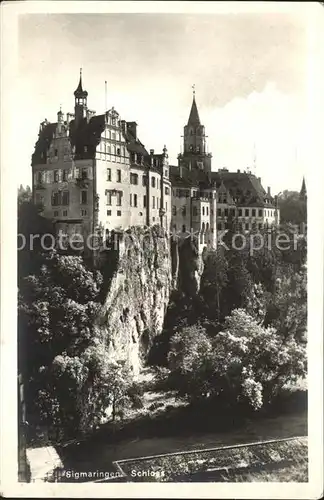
(70, 375)
(213, 282)
(244, 363)
(287, 311)
(293, 208)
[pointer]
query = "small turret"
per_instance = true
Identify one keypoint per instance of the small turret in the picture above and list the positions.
(80, 107)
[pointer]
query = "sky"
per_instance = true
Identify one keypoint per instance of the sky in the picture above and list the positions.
(249, 72)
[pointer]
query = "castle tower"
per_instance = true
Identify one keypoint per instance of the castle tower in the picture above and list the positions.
(80, 106)
(194, 142)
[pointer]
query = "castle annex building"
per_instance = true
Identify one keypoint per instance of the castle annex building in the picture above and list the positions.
(91, 174)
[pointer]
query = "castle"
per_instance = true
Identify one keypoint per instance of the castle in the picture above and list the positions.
(92, 173)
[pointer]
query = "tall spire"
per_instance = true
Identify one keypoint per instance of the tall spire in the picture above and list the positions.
(194, 116)
(303, 192)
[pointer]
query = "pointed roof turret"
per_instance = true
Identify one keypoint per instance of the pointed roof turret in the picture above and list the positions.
(79, 92)
(194, 116)
(303, 192)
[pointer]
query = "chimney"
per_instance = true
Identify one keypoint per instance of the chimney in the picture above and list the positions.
(132, 127)
(259, 179)
(151, 152)
(238, 171)
(269, 191)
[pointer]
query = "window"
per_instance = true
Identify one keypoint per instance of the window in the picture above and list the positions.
(119, 213)
(144, 201)
(65, 175)
(84, 173)
(153, 201)
(108, 193)
(56, 176)
(55, 199)
(219, 212)
(240, 212)
(108, 212)
(184, 228)
(84, 197)
(260, 225)
(131, 200)
(203, 210)
(226, 212)
(198, 149)
(83, 212)
(118, 151)
(119, 198)
(157, 202)
(206, 210)
(165, 173)
(85, 149)
(55, 152)
(166, 206)
(56, 213)
(144, 180)
(157, 183)
(253, 212)
(65, 198)
(135, 200)
(153, 182)
(134, 179)
(247, 226)
(40, 177)
(65, 212)
(108, 174)
(174, 210)
(194, 211)
(184, 211)
(246, 212)
(167, 190)
(260, 213)
(118, 175)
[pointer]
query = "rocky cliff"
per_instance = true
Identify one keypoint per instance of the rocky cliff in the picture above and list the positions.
(138, 293)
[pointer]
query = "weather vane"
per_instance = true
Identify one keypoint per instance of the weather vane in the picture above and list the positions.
(193, 89)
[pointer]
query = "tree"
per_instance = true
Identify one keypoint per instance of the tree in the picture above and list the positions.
(190, 351)
(244, 363)
(293, 207)
(214, 281)
(287, 311)
(57, 312)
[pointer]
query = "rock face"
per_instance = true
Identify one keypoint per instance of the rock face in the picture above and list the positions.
(138, 295)
(190, 267)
